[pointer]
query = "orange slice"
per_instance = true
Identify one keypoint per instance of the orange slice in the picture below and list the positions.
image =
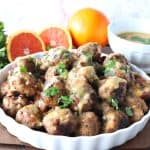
(55, 36)
(24, 43)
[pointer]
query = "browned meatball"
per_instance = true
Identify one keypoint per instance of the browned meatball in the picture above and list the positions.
(139, 87)
(116, 65)
(4, 88)
(82, 93)
(56, 56)
(11, 103)
(113, 87)
(51, 71)
(24, 83)
(138, 106)
(88, 53)
(27, 62)
(114, 120)
(60, 122)
(89, 124)
(52, 91)
(40, 103)
(88, 72)
(29, 115)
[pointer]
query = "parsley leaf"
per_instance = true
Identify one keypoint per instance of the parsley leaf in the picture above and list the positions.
(65, 101)
(129, 111)
(109, 67)
(51, 91)
(62, 70)
(114, 102)
(23, 69)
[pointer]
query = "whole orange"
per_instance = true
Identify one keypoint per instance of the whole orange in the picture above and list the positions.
(88, 25)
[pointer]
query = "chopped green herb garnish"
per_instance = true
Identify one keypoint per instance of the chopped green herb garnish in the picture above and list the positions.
(65, 101)
(114, 102)
(129, 111)
(51, 91)
(62, 70)
(109, 67)
(23, 69)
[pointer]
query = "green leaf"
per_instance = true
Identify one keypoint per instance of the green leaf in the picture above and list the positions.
(114, 102)
(3, 57)
(109, 67)
(23, 69)
(129, 111)
(1, 26)
(65, 101)
(51, 91)
(62, 70)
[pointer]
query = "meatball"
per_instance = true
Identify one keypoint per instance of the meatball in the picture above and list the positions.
(60, 122)
(88, 53)
(114, 87)
(138, 106)
(40, 103)
(4, 88)
(51, 71)
(140, 87)
(89, 124)
(116, 65)
(53, 89)
(89, 73)
(24, 83)
(114, 120)
(58, 55)
(82, 93)
(28, 62)
(12, 103)
(30, 115)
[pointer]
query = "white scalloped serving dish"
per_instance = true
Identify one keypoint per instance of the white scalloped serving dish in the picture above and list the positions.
(52, 142)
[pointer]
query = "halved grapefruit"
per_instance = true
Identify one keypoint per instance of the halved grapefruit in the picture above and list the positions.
(55, 36)
(24, 43)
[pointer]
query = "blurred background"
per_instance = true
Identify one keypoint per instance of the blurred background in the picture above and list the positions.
(36, 14)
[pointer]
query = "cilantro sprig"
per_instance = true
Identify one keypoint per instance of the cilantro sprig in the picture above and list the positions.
(65, 101)
(109, 67)
(23, 69)
(115, 103)
(129, 111)
(51, 91)
(62, 70)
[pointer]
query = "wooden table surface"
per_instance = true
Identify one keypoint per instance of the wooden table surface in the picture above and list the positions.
(141, 141)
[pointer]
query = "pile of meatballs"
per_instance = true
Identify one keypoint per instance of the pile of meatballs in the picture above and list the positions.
(75, 92)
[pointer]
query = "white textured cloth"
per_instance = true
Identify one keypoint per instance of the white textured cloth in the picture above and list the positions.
(36, 14)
